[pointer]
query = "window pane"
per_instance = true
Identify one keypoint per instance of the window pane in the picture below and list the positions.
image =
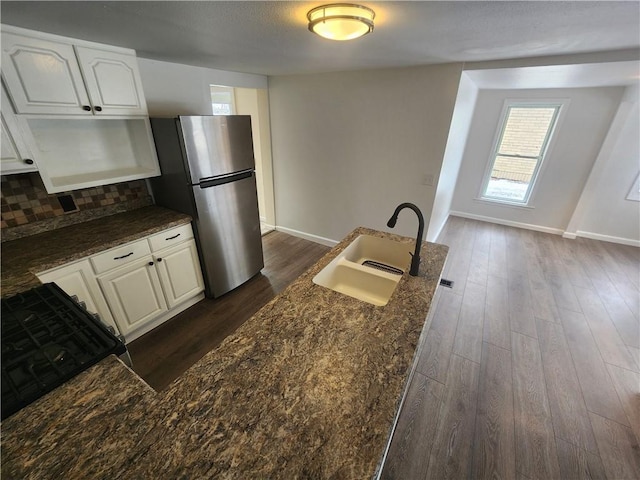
(526, 130)
(519, 153)
(221, 108)
(222, 100)
(510, 178)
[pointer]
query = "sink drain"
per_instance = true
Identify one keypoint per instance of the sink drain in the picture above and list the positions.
(383, 267)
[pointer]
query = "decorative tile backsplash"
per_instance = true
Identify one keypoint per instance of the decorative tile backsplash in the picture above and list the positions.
(24, 199)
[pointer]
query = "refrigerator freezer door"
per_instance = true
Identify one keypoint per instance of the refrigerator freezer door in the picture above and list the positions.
(172, 189)
(228, 226)
(217, 145)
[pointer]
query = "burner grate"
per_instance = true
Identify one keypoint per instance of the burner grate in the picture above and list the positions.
(47, 339)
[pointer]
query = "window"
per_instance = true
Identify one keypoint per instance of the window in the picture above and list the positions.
(522, 144)
(222, 100)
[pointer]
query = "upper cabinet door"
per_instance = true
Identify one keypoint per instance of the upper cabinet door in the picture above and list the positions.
(43, 76)
(13, 160)
(113, 82)
(10, 153)
(16, 155)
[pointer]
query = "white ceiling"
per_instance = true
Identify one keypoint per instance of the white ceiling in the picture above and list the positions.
(271, 38)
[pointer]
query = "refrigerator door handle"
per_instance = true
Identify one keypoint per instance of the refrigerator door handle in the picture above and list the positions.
(226, 179)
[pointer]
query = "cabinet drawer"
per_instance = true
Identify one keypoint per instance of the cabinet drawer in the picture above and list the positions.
(170, 237)
(119, 256)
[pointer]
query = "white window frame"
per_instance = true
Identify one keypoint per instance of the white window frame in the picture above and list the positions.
(561, 105)
(634, 191)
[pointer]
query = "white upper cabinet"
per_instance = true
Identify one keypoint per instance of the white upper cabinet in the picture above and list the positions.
(51, 75)
(43, 76)
(80, 107)
(113, 82)
(16, 156)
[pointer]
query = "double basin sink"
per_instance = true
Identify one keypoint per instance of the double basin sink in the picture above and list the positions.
(369, 269)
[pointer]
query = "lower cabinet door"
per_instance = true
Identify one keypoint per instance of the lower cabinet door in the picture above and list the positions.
(134, 294)
(78, 279)
(180, 274)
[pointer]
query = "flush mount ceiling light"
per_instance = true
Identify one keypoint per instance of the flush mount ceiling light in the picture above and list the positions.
(341, 21)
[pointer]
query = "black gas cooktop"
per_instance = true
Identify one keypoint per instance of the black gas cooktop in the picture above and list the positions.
(47, 338)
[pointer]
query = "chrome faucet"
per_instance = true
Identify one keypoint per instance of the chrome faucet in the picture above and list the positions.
(415, 257)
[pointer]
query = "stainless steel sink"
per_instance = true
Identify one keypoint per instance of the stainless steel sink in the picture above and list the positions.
(369, 269)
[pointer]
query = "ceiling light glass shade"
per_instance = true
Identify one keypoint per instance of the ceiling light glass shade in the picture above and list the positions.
(341, 21)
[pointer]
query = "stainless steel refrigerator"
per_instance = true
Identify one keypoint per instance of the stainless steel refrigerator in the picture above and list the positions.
(208, 172)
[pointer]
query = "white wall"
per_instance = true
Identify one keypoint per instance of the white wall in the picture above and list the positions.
(348, 147)
(460, 125)
(174, 89)
(607, 214)
(254, 102)
(569, 160)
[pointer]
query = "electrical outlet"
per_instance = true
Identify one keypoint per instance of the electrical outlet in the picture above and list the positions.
(67, 203)
(428, 179)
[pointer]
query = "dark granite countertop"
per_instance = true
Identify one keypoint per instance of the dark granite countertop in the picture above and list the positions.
(309, 387)
(85, 427)
(23, 258)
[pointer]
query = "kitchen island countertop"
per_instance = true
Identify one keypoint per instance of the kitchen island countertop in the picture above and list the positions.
(309, 387)
(22, 259)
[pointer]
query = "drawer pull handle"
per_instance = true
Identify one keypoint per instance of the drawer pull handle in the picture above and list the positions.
(175, 236)
(123, 256)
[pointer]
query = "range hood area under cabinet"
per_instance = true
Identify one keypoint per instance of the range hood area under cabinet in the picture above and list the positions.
(83, 153)
(81, 108)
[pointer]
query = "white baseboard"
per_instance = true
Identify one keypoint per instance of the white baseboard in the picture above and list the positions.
(556, 231)
(308, 236)
(266, 228)
(508, 223)
(608, 238)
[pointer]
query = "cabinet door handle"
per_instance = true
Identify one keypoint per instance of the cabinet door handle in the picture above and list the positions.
(28, 161)
(150, 264)
(175, 236)
(97, 109)
(158, 260)
(123, 256)
(86, 108)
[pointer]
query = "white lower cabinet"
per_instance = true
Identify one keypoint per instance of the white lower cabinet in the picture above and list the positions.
(139, 285)
(78, 279)
(134, 294)
(179, 271)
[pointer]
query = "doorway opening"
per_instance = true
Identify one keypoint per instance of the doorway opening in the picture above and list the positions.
(254, 102)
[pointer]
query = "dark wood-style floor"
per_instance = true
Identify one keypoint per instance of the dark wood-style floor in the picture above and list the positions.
(531, 365)
(166, 352)
(530, 368)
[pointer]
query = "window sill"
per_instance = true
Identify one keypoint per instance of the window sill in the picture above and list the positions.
(502, 203)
